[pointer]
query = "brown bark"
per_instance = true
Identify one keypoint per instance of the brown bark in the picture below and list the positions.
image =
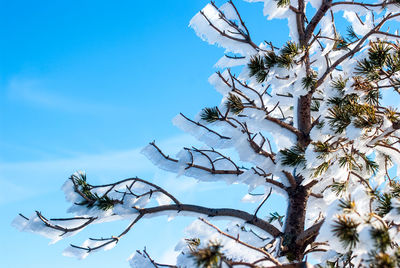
(215, 212)
(304, 119)
(294, 225)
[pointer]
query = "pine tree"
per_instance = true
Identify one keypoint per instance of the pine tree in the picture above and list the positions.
(307, 119)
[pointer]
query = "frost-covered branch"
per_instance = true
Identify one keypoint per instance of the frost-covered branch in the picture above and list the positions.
(226, 27)
(262, 251)
(356, 48)
(205, 153)
(214, 212)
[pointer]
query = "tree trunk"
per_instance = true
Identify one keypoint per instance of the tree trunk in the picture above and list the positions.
(304, 119)
(294, 224)
(298, 194)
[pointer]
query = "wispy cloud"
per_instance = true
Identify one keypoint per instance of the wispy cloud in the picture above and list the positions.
(35, 92)
(37, 177)
(10, 192)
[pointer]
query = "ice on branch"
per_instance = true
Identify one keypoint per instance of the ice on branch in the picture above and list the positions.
(54, 229)
(201, 232)
(224, 27)
(140, 260)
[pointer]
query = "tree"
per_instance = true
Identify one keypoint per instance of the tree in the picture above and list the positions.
(307, 120)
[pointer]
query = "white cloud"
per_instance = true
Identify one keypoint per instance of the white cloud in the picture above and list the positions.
(35, 92)
(25, 179)
(10, 192)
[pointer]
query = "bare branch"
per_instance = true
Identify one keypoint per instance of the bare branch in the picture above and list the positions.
(203, 126)
(268, 180)
(310, 232)
(325, 6)
(290, 178)
(284, 125)
(263, 202)
(365, 5)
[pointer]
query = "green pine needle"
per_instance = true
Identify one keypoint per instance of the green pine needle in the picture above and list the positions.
(210, 115)
(347, 205)
(270, 59)
(208, 257)
(392, 115)
(257, 68)
(291, 49)
(340, 43)
(381, 238)
(318, 171)
(282, 3)
(395, 187)
(339, 118)
(293, 156)
(384, 204)
(378, 53)
(285, 61)
(368, 69)
(346, 229)
(351, 35)
(372, 97)
(276, 217)
(91, 200)
(339, 84)
(309, 81)
(234, 104)
(322, 147)
(339, 188)
(384, 260)
(370, 165)
(105, 203)
(315, 105)
(348, 161)
(393, 62)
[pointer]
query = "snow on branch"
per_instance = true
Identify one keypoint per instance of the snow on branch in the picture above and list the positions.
(225, 27)
(124, 199)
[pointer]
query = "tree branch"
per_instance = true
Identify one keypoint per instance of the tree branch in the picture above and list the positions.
(211, 170)
(246, 37)
(206, 128)
(284, 125)
(326, 4)
(310, 232)
(267, 254)
(215, 212)
(353, 51)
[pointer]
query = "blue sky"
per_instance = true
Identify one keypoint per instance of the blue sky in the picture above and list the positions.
(83, 86)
